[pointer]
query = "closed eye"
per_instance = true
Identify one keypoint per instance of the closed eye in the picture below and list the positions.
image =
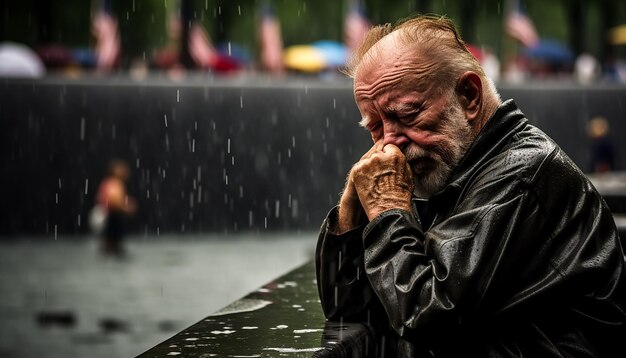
(403, 118)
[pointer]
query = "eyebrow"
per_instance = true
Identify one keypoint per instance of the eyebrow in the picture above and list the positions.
(401, 107)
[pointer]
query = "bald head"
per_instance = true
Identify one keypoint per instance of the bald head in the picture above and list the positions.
(428, 48)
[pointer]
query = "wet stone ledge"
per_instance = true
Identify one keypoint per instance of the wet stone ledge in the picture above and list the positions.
(283, 318)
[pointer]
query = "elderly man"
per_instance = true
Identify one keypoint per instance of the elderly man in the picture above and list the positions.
(464, 226)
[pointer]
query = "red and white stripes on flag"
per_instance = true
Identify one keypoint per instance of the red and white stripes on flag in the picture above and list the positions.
(271, 41)
(356, 25)
(107, 48)
(520, 27)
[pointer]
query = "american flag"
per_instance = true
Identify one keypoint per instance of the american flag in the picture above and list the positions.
(356, 25)
(104, 27)
(520, 27)
(271, 41)
(105, 30)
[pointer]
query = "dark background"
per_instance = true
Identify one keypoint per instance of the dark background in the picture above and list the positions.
(217, 156)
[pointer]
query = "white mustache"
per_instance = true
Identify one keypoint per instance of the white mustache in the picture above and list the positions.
(414, 152)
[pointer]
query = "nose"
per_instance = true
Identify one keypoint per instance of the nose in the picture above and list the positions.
(393, 134)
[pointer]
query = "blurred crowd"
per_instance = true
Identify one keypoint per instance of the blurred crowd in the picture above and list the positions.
(189, 47)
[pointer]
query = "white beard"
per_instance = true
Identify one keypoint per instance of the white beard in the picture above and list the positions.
(434, 172)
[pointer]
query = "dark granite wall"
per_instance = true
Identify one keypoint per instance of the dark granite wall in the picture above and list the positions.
(219, 156)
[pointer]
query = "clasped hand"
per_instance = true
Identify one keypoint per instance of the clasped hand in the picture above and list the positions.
(381, 180)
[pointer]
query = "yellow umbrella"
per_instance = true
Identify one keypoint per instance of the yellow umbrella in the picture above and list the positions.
(617, 35)
(304, 58)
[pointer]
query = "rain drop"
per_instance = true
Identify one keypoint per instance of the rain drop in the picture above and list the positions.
(165, 118)
(82, 129)
(86, 186)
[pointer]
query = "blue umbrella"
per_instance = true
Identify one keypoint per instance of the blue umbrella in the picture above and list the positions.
(551, 51)
(334, 53)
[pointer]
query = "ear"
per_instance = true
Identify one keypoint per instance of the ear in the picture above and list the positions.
(470, 91)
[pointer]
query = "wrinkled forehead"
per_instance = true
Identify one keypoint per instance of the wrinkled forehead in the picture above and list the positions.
(392, 60)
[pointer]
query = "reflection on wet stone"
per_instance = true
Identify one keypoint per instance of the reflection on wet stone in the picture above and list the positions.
(65, 319)
(282, 318)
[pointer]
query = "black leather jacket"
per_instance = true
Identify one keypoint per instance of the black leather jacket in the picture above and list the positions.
(518, 256)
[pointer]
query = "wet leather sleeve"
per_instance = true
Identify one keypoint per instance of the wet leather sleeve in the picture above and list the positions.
(344, 290)
(516, 245)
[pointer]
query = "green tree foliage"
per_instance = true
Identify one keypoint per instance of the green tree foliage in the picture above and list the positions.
(143, 24)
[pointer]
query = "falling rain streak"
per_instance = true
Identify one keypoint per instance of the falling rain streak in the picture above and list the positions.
(82, 129)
